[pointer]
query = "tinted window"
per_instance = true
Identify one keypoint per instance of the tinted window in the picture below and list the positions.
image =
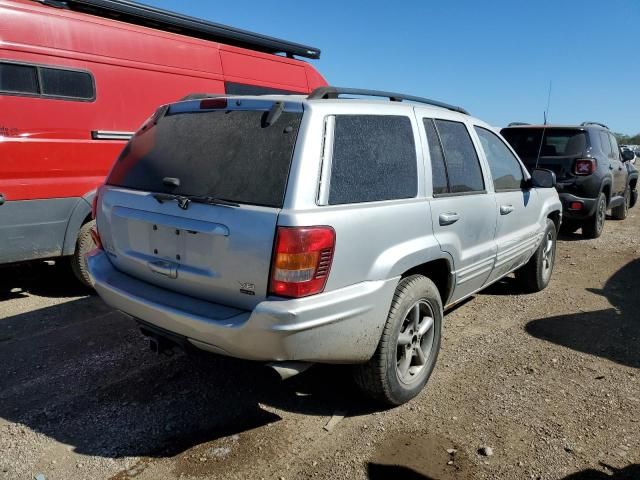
(374, 158)
(558, 142)
(615, 150)
(18, 78)
(438, 169)
(463, 166)
(46, 81)
(227, 154)
(66, 83)
(604, 143)
(504, 166)
(233, 88)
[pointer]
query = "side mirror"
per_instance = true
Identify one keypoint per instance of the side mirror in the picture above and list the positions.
(628, 155)
(543, 178)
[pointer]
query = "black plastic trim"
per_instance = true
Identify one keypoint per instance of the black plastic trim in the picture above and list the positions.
(335, 92)
(165, 20)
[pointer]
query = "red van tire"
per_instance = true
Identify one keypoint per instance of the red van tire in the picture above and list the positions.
(83, 246)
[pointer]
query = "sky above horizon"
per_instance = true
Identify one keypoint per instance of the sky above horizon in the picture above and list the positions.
(495, 60)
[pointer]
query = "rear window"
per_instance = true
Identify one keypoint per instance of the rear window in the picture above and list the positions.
(230, 154)
(557, 142)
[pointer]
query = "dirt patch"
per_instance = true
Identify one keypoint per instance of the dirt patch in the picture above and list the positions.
(550, 382)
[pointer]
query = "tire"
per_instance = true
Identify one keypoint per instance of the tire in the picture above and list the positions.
(593, 226)
(398, 371)
(620, 212)
(535, 275)
(84, 245)
(570, 226)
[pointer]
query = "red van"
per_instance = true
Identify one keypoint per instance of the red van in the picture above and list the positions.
(77, 77)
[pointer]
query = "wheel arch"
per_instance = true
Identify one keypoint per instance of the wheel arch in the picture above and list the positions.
(439, 271)
(80, 215)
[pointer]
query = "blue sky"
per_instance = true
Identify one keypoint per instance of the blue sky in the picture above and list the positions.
(493, 57)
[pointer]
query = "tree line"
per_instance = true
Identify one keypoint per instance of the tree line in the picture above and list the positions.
(627, 139)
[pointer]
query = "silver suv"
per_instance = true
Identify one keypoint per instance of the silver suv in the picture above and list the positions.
(318, 229)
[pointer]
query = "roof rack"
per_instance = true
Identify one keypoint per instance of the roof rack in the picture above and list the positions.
(159, 19)
(584, 124)
(517, 124)
(335, 92)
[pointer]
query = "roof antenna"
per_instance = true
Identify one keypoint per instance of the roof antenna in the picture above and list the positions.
(545, 114)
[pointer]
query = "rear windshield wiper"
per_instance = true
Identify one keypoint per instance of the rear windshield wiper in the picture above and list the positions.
(185, 200)
(213, 201)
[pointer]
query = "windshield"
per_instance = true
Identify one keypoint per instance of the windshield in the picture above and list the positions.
(557, 142)
(205, 148)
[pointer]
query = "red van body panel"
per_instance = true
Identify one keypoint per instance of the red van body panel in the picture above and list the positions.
(46, 145)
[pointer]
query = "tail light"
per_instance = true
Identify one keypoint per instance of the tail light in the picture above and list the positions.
(95, 236)
(94, 203)
(584, 166)
(301, 260)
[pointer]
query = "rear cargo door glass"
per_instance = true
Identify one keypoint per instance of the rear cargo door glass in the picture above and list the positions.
(215, 150)
(558, 142)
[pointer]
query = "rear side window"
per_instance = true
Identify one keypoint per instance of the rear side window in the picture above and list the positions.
(463, 167)
(66, 83)
(39, 80)
(438, 169)
(374, 158)
(505, 167)
(229, 154)
(16, 78)
(604, 142)
(615, 150)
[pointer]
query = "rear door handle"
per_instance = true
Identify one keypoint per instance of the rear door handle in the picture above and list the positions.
(448, 218)
(506, 209)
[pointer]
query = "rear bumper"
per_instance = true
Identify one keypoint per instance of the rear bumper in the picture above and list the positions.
(588, 207)
(341, 326)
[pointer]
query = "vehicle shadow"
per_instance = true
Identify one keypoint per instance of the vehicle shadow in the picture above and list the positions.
(506, 286)
(377, 471)
(613, 333)
(631, 472)
(44, 279)
(82, 374)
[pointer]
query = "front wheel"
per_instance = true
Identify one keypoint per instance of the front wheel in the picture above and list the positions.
(620, 212)
(408, 348)
(535, 275)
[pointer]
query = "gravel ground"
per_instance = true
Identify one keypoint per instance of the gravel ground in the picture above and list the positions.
(542, 386)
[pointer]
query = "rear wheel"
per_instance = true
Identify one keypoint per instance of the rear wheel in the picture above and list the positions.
(593, 226)
(78, 261)
(620, 212)
(535, 275)
(408, 348)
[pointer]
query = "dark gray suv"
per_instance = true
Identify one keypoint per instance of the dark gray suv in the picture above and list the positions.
(593, 174)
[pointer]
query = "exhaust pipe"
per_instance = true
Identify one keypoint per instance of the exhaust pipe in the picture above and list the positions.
(159, 345)
(289, 369)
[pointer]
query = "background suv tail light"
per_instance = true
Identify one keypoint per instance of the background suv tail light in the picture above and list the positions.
(584, 166)
(301, 260)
